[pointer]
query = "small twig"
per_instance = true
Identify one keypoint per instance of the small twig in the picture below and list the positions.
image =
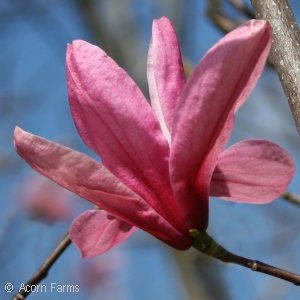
(285, 48)
(42, 272)
(292, 197)
(207, 245)
(261, 267)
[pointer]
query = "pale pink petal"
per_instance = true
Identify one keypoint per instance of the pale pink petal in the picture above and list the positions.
(165, 73)
(254, 171)
(95, 231)
(155, 100)
(89, 179)
(205, 115)
(114, 119)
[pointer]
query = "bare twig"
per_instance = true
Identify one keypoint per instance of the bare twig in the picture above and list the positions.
(285, 50)
(207, 245)
(261, 267)
(203, 242)
(42, 272)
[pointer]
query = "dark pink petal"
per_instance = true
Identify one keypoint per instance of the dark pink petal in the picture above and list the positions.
(165, 72)
(254, 171)
(205, 115)
(89, 179)
(95, 231)
(114, 119)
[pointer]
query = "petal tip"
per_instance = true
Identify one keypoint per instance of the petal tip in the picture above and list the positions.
(163, 21)
(17, 130)
(18, 133)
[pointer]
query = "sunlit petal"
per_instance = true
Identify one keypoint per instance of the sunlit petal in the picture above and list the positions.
(165, 72)
(219, 85)
(95, 231)
(115, 120)
(89, 179)
(254, 171)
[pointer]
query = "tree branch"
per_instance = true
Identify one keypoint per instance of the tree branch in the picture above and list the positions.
(261, 267)
(42, 272)
(203, 242)
(285, 52)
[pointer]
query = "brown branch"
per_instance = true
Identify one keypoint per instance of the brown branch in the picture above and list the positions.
(285, 49)
(203, 242)
(42, 272)
(261, 267)
(207, 245)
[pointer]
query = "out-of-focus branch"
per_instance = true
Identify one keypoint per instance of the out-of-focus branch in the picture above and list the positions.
(97, 29)
(285, 52)
(223, 22)
(216, 14)
(292, 197)
(240, 6)
(42, 272)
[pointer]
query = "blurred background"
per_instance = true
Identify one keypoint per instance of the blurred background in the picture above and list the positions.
(36, 213)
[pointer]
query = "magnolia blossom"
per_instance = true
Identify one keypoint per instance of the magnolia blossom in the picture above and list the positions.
(161, 163)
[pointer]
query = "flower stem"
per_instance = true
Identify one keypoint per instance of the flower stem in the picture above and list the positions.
(42, 272)
(292, 197)
(207, 245)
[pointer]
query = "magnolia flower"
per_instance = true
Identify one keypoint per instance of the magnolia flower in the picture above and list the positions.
(160, 164)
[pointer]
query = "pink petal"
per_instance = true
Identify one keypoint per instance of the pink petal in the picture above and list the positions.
(95, 231)
(89, 179)
(254, 171)
(165, 72)
(205, 115)
(114, 119)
